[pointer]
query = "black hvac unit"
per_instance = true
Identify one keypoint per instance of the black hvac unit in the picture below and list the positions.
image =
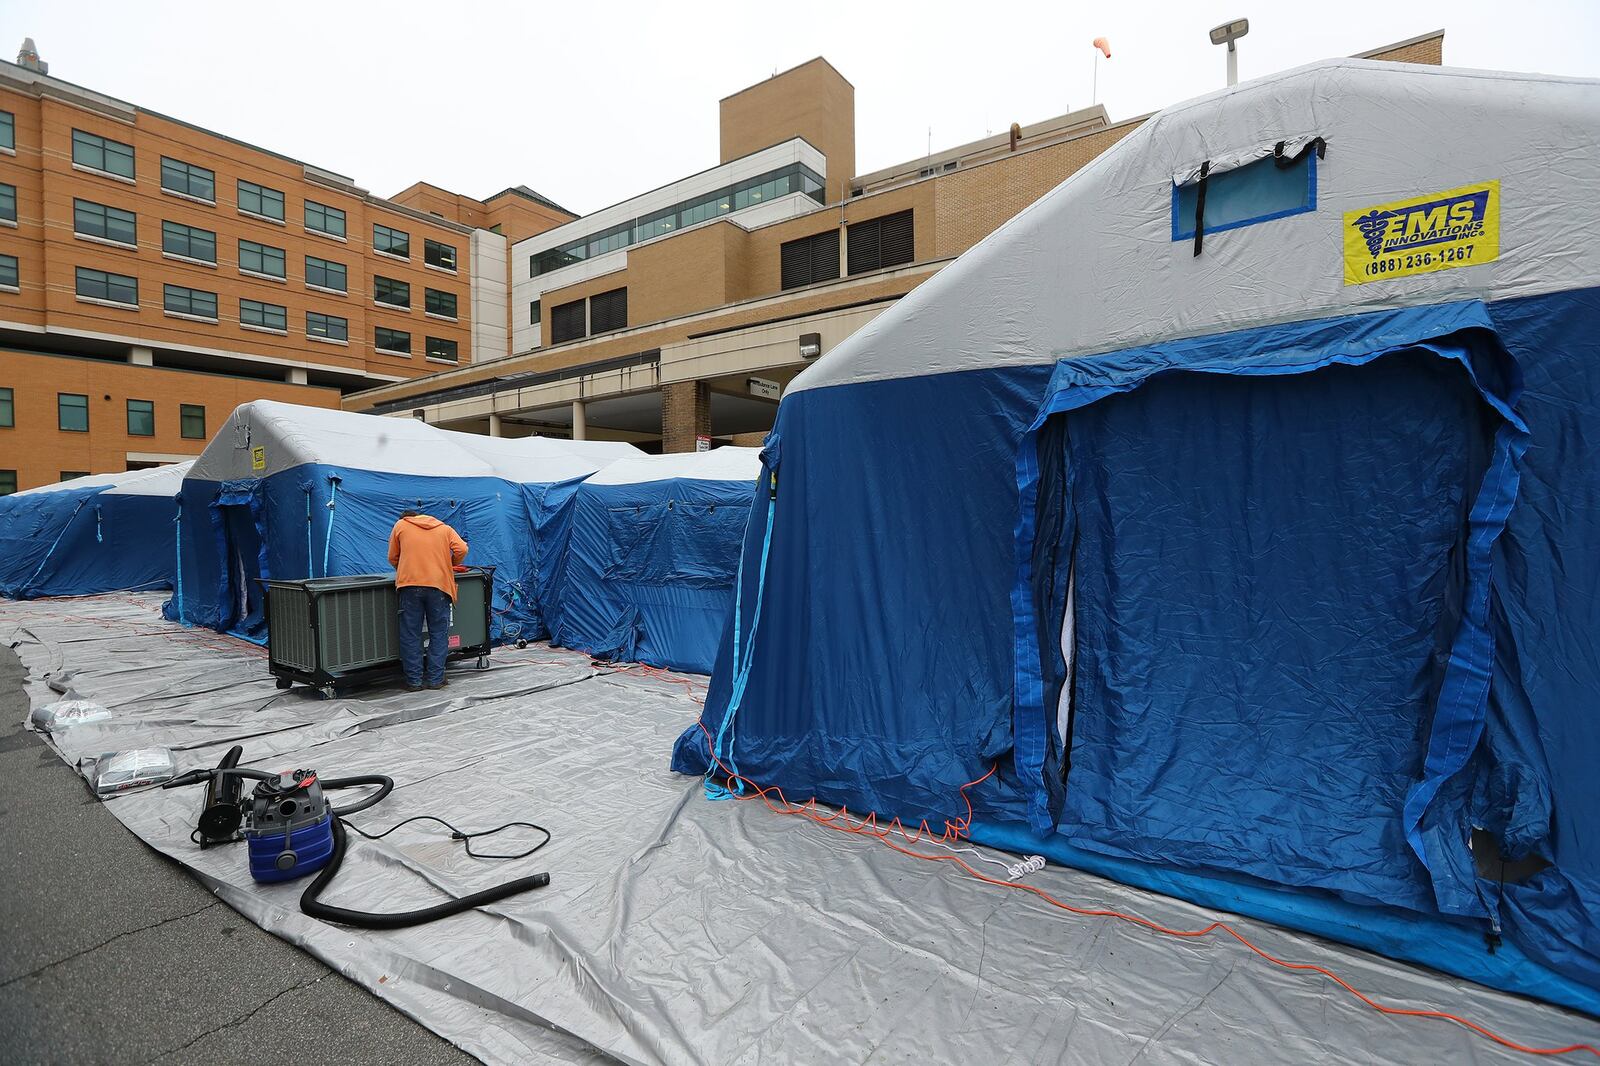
(338, 632)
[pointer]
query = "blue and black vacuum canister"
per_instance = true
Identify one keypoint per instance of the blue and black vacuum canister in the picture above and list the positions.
(290, 828)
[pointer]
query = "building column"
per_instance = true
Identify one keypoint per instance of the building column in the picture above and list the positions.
(580, 420)
(139, 355)
(685, 414)
(295, 375)
(494, 425)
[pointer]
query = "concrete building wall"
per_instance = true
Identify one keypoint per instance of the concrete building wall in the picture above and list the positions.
(39, 451)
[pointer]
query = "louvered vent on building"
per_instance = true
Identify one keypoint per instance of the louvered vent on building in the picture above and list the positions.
(810, 259)
(881, 242)
(567, 322)
(608, 311)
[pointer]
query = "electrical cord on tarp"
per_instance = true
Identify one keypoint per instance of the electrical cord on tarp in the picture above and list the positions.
(464, 837)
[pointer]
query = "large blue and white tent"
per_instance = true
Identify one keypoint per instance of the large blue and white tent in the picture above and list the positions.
(285, 491)
(1261, 563)
(99, 533)
(649, 552)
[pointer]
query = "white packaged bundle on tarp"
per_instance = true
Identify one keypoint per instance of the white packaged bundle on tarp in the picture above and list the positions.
(64, 714)
(119, 771)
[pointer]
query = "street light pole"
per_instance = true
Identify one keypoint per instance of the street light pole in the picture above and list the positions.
(1229, 33)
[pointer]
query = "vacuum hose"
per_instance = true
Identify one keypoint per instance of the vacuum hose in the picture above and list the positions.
(310, 905)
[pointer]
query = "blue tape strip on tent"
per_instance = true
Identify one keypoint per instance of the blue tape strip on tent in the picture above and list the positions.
(1454, 332)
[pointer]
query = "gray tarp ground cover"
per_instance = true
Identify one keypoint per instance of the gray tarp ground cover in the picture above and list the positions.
(680, 930)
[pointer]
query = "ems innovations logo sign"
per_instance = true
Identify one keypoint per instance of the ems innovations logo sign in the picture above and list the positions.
(1454, 228)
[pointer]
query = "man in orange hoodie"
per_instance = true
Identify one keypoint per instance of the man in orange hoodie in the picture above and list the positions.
(424, 552)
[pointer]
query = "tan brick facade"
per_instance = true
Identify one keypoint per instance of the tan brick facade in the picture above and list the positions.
(685, 415)
(721, 276)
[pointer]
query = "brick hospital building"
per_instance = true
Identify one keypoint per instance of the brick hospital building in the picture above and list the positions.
(153, 275)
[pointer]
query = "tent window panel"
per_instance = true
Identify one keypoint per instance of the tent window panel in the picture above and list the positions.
(1256, 192)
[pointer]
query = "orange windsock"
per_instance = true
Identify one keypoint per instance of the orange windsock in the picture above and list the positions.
(1104, 44)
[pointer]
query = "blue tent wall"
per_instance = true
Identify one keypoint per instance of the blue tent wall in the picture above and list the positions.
(884, 673)
(81, 541)
(648, 570)
(306, 537)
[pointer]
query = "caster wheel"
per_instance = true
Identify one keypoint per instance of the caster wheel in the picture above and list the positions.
(328, 692)
(284, 682)
(483, 662)
(522, 644)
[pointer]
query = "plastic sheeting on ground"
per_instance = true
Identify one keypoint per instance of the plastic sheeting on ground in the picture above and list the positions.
(649, 548)
(100, 533)
(677, 930)
(1262, 561)
(289, 492)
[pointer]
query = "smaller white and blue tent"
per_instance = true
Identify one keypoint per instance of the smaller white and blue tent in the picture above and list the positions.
(100, 533)
(650, 552)
(285, 491)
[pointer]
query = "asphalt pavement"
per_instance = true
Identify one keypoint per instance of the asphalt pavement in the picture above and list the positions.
(110, 952)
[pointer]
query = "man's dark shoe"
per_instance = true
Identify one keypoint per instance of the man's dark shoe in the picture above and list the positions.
(441, 684)
(413, 688)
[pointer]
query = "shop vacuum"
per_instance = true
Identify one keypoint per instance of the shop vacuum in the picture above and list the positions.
(293, 831)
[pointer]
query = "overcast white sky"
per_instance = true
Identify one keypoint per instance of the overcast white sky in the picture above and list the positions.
(593, 102)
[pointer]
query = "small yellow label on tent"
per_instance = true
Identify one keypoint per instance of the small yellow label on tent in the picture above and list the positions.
(1454, 228)
(258, 457)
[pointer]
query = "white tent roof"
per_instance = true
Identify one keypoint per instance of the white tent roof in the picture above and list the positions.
(1093, 267)
(290, 435)
(156, 481)
(719, 464)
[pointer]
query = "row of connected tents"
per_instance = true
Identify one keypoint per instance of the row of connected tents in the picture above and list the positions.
(595, 544)
(1224, 524)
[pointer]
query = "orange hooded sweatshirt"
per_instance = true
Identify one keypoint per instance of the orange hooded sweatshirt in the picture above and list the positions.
(424, 551)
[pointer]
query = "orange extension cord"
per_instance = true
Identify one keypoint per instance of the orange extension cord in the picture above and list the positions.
(956, 829)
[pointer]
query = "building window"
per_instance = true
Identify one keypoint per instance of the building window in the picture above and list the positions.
(141, 418)
(73, 475)
(8, 409)
(608, 311)
(8, 203)
(192, 421)
(393, 341)
(263, 315)
(108, 223)
(9, 276)
(439, 348)
(99, 285)
(259, 200)
(8, 135)
(8, 478)
(324, 219)
(196, 302)
(100, 153)
(191, 242)
(261, 259)
(1256, 192)
(326, 274)
(188, 180)
(810, 259)
(391, 241)
(440, 255)
(567, 321)
(880, 242)
(391, 292)
(440, 303)
(534, 313)
(763, 188)
(330, 327)
(72, 412)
